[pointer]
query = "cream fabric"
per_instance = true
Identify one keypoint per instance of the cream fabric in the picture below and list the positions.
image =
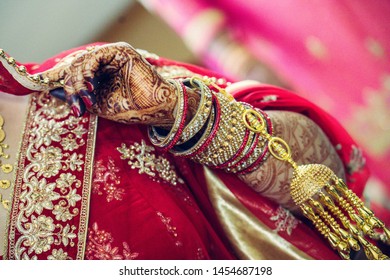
(13, 109)
(250, 238)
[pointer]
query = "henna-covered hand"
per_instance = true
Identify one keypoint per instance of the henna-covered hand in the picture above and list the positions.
(116, 82)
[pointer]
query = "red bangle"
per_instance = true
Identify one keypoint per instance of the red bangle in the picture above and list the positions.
(182, 121)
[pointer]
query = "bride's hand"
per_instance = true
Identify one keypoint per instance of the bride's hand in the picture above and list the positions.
(116, 82)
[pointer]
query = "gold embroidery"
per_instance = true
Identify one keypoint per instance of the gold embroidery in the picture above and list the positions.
(284, 220)
(141, 157)
(106, 179)
(100, 246)
(50, 208)
(58, 255)
(170, 228)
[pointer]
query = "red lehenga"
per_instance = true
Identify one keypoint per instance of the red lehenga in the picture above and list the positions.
(89, 188)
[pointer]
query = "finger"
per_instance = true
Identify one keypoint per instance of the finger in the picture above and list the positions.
(59, 93)
(72, 98)
(55, 74)
(88, 98)
(83, 71)
(78, 107)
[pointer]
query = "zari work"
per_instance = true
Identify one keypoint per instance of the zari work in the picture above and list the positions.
(50, 208)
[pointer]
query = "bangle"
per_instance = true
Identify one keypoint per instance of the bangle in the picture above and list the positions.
(237, 138)
(202, 113)
(260, 153)
(219, 138)
(208, 133)
(228, 136)
(168, 141)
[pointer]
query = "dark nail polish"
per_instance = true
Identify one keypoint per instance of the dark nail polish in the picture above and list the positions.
(88, 98)
(90, 86)
(78, 106)
(76, 111)
(58, 93)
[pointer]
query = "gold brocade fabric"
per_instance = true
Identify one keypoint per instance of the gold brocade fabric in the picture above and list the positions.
(49, 212)
(250, 238)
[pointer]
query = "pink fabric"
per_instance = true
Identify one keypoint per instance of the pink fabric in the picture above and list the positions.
(335, 53)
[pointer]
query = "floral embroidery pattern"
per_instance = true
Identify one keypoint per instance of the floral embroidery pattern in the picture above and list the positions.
(284, 220)
(58, 255)
(99, 246)
(106, 180)
(141, 157)
(49, 212)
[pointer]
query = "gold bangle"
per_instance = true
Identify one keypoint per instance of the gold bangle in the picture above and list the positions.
(167, 142)
(229, 135)
(202, 113)
(209, 128)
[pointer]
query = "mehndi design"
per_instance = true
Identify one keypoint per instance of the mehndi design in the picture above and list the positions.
(129, 90)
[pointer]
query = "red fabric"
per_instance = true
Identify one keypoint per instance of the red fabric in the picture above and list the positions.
(133, 219)
(136, 216)
(9, 84)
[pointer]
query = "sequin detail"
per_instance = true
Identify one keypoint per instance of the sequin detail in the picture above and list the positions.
(106, 180)
(100, 246)
(143, 158)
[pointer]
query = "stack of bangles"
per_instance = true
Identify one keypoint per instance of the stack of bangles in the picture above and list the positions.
(235, 137)
(220, 134)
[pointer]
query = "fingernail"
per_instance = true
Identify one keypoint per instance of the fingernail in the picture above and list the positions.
(90, 86)
(91, 83)
(76, 111)
(88, 98)
(77, 106)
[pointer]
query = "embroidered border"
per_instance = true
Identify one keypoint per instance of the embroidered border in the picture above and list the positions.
(49, 213)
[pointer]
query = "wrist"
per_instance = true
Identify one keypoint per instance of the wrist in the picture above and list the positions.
(215, 133)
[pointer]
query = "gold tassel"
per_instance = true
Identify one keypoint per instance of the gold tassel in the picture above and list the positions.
(335, 211)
